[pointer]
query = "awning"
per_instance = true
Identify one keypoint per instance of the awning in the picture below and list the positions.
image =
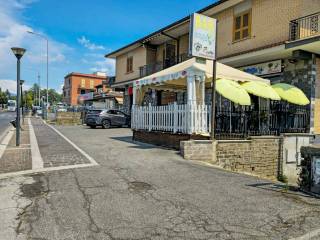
(261, 89)
(178, 73)
(291, 94)
(233, 91)
(119, 100)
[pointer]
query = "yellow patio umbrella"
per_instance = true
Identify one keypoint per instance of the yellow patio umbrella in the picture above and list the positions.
(291, 94)
(261, 89)
(233, 91)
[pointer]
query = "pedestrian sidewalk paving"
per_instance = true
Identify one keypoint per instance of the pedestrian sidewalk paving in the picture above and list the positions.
(55, 150)
(42, 148)
(16, 158)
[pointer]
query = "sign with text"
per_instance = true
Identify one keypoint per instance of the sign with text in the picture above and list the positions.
(86, 96)
(264, 68)
(203, 31)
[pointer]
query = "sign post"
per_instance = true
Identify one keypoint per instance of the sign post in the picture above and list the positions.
(202, 44)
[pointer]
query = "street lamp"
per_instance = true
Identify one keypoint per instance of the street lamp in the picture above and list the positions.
(44, 37)
(18, 52)
(21, 83)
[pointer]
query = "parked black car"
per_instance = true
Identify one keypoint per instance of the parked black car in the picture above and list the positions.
(107, 118)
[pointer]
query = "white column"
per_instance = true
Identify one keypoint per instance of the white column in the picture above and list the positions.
(191, 89)
(203, 90)
(134, 92)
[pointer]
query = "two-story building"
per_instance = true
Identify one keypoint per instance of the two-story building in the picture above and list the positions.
(76, 84)
(274, 39)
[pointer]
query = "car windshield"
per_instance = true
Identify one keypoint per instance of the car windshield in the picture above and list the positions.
(11, 104)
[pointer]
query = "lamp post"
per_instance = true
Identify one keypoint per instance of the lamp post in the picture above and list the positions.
(22, 105)
(44, 37)
(18, 52)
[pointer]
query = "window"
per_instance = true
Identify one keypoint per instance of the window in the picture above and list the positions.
(112, 112)
(82, 91)
(129, 64)
(83, 83)
(242, 26)
(91, 84)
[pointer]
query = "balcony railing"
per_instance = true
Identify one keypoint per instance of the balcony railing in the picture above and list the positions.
(304, 27)
(158, 66)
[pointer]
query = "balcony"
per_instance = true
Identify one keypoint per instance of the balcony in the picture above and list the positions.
(158, 66)
(304, 27)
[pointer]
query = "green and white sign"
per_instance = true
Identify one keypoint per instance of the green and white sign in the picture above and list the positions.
(203, 31)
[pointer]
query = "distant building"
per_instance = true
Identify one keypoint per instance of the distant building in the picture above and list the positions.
(76, 84)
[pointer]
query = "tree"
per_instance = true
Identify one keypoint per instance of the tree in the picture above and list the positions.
(3, 98)
(8, 94)
(53, 96)
(28, 99)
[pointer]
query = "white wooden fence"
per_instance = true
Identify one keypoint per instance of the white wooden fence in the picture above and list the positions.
(172, 118)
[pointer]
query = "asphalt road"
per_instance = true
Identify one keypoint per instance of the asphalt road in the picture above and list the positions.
(5, 118)
(143, 192)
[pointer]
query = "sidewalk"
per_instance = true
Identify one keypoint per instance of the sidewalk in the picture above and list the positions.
(55, 151)
(17, 158)
(42, 148)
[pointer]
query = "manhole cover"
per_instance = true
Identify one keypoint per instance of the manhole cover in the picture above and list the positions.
(139, 186)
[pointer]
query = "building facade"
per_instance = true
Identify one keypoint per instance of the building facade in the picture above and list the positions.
(76, 84)
(274, 39)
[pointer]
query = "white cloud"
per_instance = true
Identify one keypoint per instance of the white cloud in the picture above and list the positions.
(14, 33)
(107, 65)
(11, 85)
(89, 45)
(59, 90)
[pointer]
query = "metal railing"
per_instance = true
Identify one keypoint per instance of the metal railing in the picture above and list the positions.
(304, 27)
(158, 66)
(278, 118)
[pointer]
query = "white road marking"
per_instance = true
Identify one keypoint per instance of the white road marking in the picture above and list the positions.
(309, 235)
(92, 161)
(18, 148)
(37, 161)
(5, 140)
(49, 169)
(6, 132)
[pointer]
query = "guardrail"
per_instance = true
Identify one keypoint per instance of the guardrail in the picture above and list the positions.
(304, 27)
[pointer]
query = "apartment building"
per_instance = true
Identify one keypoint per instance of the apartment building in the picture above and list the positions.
(76, 84)
(274, 39)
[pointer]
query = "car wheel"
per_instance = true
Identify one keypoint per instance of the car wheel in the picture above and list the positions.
(106, 124)
(92, 126)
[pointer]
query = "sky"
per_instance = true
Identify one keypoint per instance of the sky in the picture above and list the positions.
(80, 33)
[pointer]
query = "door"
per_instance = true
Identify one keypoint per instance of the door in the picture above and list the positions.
(170, 55)
(121, 118)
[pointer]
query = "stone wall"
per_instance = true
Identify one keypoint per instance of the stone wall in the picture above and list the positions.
(163, 139)
(259, 156)
(68, 118)
(197, 150)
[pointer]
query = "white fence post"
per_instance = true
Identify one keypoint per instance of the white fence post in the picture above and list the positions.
(175, 117)
(150, 117)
